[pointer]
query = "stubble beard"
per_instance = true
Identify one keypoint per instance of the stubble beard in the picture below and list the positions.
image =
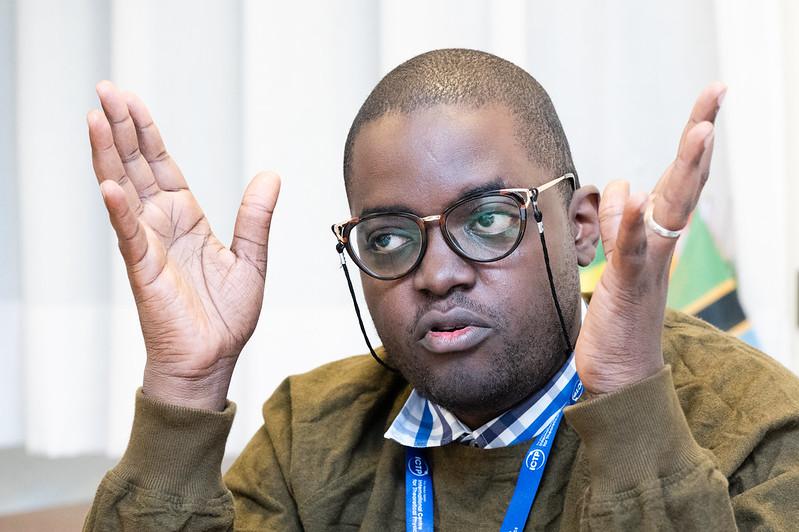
(521, 366)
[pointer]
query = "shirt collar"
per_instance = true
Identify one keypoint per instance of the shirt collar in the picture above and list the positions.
(422, 423)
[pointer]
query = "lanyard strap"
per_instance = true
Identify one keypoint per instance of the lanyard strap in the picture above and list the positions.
(419, 480)
(418, 492)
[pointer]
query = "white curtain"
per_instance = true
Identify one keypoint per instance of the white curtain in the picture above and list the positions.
(248, 85)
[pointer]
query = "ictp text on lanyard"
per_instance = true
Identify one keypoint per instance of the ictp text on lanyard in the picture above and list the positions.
(419, 475)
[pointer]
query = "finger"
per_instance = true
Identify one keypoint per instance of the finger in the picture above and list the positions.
(164, 168)
(630, 255)
(251, 233)
(145, 262)
(704, 163)
(105, 158)
(680, 188)
(705, 109)
(611, 208)
(116, 110)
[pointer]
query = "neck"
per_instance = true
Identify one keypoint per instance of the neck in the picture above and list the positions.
(475, 420)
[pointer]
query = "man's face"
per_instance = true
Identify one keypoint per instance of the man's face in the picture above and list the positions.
(506, 340)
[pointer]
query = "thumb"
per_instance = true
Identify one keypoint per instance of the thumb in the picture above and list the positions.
(251, 233)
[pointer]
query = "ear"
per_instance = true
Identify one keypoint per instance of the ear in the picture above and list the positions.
(584, 217)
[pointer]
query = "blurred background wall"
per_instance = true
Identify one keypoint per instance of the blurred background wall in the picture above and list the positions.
(239, 86)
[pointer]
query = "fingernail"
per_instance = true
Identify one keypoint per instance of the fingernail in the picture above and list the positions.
(720, 99)
(709, 137)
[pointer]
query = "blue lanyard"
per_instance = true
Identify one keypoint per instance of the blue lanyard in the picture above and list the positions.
(418, 492)
(419, 480)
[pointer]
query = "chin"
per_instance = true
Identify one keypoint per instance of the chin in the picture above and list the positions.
(490, 378)
(467, 382)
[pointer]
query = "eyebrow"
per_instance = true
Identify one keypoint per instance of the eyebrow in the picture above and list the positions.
(496, 184)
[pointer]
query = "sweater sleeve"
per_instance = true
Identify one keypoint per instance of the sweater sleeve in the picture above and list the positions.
(646, 470)
(260, 477)
(170, 475)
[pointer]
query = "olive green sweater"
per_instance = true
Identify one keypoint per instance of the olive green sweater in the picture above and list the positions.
(708, 443)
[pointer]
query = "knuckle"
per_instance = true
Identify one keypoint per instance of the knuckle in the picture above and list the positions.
(160, 157)
(256, 209)
(131, 156)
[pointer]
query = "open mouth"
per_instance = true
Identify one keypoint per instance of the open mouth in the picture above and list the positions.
(448, 329)
(454, 330)
(450, 339)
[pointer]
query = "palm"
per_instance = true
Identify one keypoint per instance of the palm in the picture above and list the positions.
(210, 299)
(198, 301)
(605, 346)
(619, 342)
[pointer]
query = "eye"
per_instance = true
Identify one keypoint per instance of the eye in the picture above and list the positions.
(386, 241)
(491, 222)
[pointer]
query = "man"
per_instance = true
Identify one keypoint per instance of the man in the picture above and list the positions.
(468, 226)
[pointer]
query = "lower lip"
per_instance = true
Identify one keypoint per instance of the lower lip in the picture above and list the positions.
(452, 341)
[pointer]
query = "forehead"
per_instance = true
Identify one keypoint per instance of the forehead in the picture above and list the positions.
(424, 160)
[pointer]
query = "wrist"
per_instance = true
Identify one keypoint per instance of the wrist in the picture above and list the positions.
(614, 365)
(205, 392)
(621, 377)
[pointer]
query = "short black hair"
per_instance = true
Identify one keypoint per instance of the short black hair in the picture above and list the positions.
(475, 79)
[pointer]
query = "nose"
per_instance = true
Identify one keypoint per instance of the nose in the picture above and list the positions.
(442, 270)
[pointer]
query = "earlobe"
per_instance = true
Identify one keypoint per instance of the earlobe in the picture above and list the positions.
(584, 217)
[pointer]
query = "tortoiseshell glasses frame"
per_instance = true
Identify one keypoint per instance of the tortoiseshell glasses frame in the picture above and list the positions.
(522, 198)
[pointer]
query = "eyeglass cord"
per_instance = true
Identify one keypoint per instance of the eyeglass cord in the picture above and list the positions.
(570, 347)
(340, 249)
(539, 220)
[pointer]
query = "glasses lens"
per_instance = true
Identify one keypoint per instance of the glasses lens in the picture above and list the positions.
(487, 227)
(386, 245)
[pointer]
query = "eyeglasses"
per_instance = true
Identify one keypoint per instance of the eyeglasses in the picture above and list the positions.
(481, 227)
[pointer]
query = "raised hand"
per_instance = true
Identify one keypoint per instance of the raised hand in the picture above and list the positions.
(619, 343)
(198, 301)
